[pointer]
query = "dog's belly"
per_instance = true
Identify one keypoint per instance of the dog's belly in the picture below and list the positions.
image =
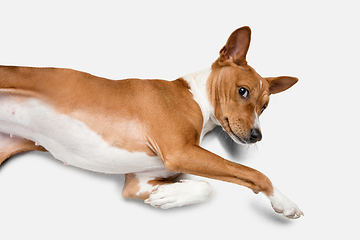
(68, 139)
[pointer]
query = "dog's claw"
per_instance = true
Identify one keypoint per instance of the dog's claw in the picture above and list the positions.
(292, 216)
(295, 216)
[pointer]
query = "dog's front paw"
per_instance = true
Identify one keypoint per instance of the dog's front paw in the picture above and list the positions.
(282, 205)
(179, 194)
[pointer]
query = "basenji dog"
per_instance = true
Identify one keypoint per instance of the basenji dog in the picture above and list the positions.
(149, 130)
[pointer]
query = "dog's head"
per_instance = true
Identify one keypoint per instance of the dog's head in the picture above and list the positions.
(238, 93)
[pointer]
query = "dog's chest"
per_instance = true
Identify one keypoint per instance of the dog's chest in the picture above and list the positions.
(68, 139)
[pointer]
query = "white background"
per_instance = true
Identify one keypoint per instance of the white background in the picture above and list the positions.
(309, 149)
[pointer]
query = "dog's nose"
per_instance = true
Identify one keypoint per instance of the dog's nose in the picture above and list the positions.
(255, 135)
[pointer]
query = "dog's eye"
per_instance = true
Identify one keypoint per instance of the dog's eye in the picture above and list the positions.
(243, 92)
(263, 108)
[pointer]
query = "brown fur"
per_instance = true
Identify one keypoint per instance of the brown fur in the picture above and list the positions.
(160, 117)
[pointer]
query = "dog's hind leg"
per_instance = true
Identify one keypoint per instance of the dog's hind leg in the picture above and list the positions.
(11, 145)
(164, 192)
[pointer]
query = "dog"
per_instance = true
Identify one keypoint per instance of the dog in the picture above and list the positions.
(149, 130)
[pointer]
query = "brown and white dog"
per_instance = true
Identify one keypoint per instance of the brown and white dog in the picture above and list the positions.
(149, 130)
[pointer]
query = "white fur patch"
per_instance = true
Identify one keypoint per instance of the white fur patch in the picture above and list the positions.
(257, 121)
(179, 194)
(68, 139)
(197, 82)
(283, 205)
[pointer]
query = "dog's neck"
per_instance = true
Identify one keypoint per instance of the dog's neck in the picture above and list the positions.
(198, 87)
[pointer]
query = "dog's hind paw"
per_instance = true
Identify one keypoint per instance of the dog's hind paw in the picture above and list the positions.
(179, 194)
(282, 205)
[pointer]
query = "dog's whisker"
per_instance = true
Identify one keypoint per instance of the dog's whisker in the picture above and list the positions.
(256, 147)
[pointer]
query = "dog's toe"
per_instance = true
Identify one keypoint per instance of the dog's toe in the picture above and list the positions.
(282, 205)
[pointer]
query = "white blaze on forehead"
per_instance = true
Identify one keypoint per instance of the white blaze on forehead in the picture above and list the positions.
(261, 83)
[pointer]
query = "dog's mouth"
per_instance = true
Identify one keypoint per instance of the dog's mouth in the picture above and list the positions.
(232, 134)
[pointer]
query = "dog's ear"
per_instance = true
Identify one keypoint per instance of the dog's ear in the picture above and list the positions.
(280, 84)
(237, 46)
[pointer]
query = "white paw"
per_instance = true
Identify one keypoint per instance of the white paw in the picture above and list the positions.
(179, 194)
(283, 205)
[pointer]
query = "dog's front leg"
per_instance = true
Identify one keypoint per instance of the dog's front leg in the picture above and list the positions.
(198, 161)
